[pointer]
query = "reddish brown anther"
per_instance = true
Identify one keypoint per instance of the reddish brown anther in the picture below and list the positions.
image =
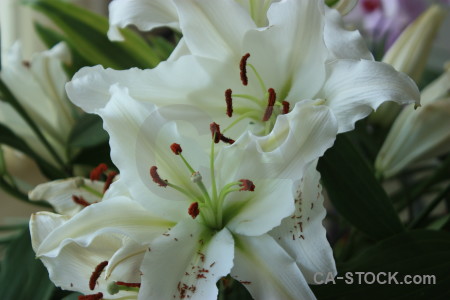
(270, 104)
(97, 296)
(215, 132)
(155, 176)
(286, 106)
(226, 140)
(229, 102)
(243, 68)
(80, 201)
(96, 274)
(97, 172)
(128, 284)
(193, 210)
(247, 185)
(109, 180)
(176, 148)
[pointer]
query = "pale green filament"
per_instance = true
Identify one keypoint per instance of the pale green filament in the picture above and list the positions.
(260, 80)
(92, 191)
(200, 182)
(250, 114)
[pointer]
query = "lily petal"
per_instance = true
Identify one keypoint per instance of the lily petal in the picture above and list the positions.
(169, 273)
(267, 271)
(213, 29)
(59, 194)
(341, 42)
(113, 217)
(302, 234)
(144, 14)
(83, 260)
(354, 88)
(140, 138)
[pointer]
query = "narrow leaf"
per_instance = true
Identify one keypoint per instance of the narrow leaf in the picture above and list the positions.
(355, 192)
(22, 276)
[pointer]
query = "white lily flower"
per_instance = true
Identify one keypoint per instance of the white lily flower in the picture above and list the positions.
(304, 53)
(69, 196)
(205, 215)
(39, 87)
(420, 134)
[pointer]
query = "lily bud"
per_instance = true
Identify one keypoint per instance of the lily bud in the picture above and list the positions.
(409, 54)
(345, 6)
(419, 134)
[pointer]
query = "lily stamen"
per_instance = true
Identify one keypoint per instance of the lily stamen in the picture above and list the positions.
(156, 178)
(285, 109)
(97, 296)
(243, 68)
(270, 104)
(96, 274)
(229, 102)
(217, 136)
(194, 210)
(109, 180)
(97, 172)
(247, 185)
(80, 201)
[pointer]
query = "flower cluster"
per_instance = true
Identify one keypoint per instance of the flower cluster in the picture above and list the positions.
(217, 150)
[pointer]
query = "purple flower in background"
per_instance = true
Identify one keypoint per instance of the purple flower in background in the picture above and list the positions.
(384, 20)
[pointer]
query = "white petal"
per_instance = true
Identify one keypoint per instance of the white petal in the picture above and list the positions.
(354, 88)
(71, 269)
(168, 84)
(297, 139)
(213, 29)
(267, 271)
(42, 224)
(415, 136)
(302, 234)
(144, 14)
(59, 194)
(115, 217)
(295, 35)
(186, 263)
(341, 42)
(140, 138)
(255, 213)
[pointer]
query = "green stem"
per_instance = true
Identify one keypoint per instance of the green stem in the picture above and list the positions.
(429, 208)
(261, 82)
(92, 191)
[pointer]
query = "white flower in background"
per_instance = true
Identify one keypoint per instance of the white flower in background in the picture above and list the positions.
(69, 196)
(180, 218)
(409, 54)
(421, 134)
(39, 87)
(303, 54)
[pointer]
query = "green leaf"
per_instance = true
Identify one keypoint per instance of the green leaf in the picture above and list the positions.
(93, 156)
(88, 132)
(86, 32)
(22, 276)
(421, 252)
(355, 192)
(8, 137)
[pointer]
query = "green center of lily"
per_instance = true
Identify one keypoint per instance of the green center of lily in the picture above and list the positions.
(269, 106)
(208, 208)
